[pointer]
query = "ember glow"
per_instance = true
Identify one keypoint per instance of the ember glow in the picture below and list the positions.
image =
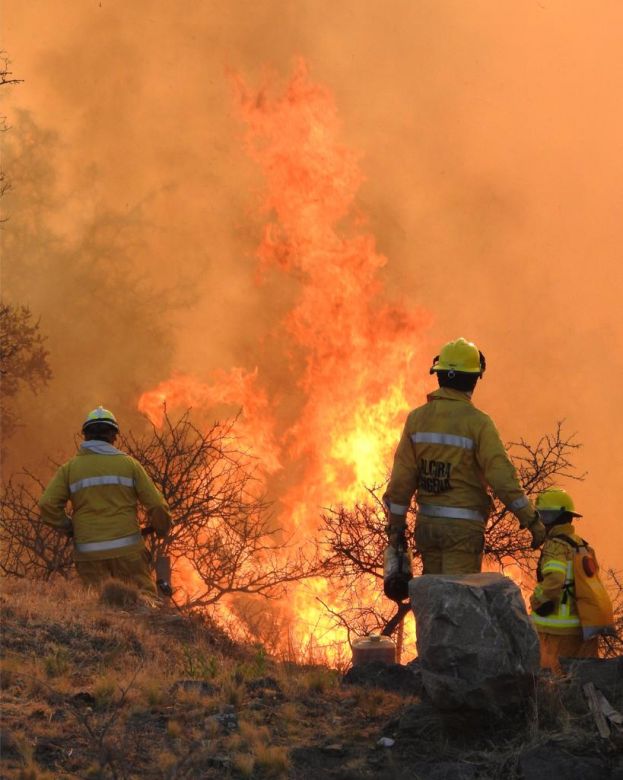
(347, 355)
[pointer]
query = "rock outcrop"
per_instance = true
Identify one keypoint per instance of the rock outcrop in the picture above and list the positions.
(477, 646)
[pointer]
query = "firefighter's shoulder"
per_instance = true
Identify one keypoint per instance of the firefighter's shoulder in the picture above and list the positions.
(412, 417)
(479, 419)
(556, 548)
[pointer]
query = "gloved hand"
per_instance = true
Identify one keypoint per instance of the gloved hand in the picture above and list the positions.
(397, 537)
(165, 587)
(539, 532)
(68, 528)
(545, 609)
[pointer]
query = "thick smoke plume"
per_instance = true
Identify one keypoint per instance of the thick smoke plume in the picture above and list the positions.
(490, 142)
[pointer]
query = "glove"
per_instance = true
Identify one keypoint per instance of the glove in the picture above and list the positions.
(538, 531)
(165, 588)
(545, 609)
(68, 528)
(397, 537)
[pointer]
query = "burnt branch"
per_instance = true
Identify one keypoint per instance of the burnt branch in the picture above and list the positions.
(223, 538)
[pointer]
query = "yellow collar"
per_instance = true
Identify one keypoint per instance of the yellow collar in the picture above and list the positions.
(448, 394)
(566, 529)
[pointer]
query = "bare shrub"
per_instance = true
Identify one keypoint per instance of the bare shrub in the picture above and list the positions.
(354, 538)
(28, 547)
(539, 466)
(223, 535)
(612, 646)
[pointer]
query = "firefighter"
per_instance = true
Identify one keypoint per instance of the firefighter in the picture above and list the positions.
(567, 571)
(448, 453)
(104, 485)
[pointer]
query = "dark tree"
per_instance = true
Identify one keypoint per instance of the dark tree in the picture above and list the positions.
(23, 358)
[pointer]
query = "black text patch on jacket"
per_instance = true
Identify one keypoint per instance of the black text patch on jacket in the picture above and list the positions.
(434, 475)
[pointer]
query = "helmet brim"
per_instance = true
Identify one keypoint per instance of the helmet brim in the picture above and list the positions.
(549, 516)
(108, 423)
(436, 368)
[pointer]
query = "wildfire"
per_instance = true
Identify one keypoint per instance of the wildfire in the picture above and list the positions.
(347, 353)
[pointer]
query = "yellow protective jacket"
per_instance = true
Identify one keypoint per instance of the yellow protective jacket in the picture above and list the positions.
(556, 584)
(448, 453)
(103, 485)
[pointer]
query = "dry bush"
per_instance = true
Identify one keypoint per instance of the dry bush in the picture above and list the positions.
(612, 646)
(539, 466)
(222, 526)
(28, 547)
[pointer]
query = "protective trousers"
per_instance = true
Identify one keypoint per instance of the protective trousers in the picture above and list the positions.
(449, 546)
(557, 646)
(132, 568)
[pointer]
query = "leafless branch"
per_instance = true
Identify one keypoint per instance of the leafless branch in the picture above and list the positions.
(222, 523)
(29, 548)
(354, 538)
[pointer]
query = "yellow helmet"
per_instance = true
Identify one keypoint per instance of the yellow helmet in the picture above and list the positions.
(460, 355)
(100, 416)
(554, 502)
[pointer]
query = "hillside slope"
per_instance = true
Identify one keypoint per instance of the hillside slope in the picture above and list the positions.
(92, 690)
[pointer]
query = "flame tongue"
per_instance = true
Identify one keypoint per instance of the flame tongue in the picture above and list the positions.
(356, 348)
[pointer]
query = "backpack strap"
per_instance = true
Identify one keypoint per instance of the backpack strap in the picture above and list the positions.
(570, 541)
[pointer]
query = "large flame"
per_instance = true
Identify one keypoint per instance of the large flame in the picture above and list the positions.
(346, 352)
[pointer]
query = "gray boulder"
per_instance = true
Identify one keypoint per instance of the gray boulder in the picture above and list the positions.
(476, 643)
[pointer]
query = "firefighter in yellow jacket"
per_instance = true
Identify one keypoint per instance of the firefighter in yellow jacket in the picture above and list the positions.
(104, 485)
(448, 453)
(554, 605)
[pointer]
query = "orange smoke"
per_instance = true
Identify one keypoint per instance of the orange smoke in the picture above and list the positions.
(345, 353)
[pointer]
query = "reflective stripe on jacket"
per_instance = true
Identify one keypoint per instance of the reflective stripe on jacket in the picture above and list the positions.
(448, 453)
(556, 584)
(104, 486)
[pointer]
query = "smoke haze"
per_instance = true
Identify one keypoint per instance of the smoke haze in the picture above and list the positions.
(489, 134)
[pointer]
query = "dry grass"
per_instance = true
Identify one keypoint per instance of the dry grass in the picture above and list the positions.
(115, 593)
(244, 764)
(272, 760)
(92, 682)
(90, 689)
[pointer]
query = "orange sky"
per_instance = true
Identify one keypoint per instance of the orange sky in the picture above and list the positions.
(489, 136)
